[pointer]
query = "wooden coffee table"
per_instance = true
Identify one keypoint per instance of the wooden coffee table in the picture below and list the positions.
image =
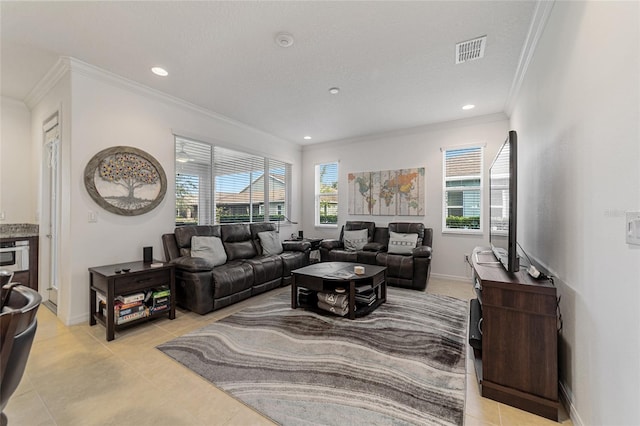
(327, 276)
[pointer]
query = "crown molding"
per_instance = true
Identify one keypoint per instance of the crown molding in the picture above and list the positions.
(538, 23)
(108, 77)
(46, 83)
(13, 102)
(69, 64)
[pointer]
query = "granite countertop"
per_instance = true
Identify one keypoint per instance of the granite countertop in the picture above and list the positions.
(18, 230)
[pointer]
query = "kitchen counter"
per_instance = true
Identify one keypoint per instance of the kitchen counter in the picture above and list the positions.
(18, 230)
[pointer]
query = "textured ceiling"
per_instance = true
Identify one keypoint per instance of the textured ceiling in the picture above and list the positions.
(393, 61)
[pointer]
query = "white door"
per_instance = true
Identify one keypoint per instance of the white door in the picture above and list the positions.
(52, 216)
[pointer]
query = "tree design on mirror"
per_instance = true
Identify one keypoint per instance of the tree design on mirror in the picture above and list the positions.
(125, 180)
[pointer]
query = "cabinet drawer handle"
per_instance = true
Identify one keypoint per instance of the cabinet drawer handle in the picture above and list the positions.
(144, 280)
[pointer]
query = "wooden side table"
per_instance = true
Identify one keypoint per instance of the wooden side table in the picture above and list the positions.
(140, 277)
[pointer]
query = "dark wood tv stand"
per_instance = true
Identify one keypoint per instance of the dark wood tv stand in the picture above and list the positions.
(518, 364)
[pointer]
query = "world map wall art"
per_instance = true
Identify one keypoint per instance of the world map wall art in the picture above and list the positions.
(387, 193)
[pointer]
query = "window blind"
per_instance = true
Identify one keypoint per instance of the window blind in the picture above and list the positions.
(219, 185)
(193, 183)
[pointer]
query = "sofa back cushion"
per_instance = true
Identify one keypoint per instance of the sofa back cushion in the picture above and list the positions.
(184, 234)
(237, 241)
(209, 248)
(381, 235)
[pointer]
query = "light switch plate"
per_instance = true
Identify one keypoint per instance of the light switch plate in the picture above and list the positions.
(633, 228)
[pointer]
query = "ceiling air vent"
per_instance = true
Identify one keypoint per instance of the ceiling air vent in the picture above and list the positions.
(470, 50)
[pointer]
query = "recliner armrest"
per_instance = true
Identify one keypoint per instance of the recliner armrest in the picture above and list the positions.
(192, 264)
(331, 244)
(296, 245)
(377, 247)
(422, 251)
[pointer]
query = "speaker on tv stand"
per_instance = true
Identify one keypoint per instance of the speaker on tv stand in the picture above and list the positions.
(475, 324)
(147, 254)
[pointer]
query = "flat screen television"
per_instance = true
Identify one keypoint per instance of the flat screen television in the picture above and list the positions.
(503, 185)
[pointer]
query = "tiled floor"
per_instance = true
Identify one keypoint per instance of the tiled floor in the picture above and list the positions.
(75, 377)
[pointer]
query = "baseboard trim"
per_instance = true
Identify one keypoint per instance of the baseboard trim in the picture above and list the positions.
(451, 277)
(566, 397)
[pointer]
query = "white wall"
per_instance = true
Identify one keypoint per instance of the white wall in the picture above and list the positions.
(17, 180)
(419, 147)
(107, 111)
(577, 117)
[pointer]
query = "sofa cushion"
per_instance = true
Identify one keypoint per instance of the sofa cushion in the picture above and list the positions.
(338, 255)
(292, 260)
(400, 243)
(270, 242)
(192, 264)
(209, 248)
(265, 268)
(352, 225)
(355, 240)
(232, 277)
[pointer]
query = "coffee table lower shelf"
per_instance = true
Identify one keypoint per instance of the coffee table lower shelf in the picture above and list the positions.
(361, 311)
(321, 277)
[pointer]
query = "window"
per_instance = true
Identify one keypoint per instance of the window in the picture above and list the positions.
(326, 196)
(462, 189)
(218, 185)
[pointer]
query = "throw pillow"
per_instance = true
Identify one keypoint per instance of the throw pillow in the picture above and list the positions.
(355, 240)
(270, 242)
(402, 243)
(210, 248)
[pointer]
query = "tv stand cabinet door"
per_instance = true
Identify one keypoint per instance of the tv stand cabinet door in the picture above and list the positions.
(519, 345)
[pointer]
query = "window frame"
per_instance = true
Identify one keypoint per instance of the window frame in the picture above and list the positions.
(462, 188)
(318, 194)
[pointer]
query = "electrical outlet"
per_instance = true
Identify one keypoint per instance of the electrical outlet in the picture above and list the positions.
(633, 228)
(466, 258)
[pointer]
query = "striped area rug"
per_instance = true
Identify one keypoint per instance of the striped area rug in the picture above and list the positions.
(402, 364)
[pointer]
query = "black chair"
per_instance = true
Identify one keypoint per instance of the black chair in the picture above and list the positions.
(17, 330)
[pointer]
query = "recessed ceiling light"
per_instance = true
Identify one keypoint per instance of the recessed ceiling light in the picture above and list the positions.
(159, 71)
(334, 90)
(284, 40)
(307, 138)
(466, 107)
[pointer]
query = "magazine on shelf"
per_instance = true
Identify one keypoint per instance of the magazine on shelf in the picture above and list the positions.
(340, 275)
(119, 305)
(131, 298)
(131, 317)
(132, 310)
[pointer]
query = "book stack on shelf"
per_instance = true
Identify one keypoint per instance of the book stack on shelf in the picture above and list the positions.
(125, 308)
(134, 306)
(160, 300)
(365, 296)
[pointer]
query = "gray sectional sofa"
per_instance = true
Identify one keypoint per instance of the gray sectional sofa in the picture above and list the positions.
(240, 261)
